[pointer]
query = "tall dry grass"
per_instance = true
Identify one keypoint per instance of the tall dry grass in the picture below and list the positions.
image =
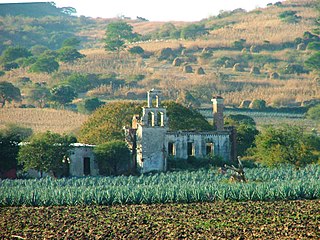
(41, 120)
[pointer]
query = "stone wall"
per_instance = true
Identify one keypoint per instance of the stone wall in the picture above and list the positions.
(200, 142)
(77, 158)
(150, 149)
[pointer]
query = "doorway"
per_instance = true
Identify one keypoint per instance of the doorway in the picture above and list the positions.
(86, 166)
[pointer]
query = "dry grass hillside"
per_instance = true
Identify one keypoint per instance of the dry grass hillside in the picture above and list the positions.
(41, 120)
(269, 46)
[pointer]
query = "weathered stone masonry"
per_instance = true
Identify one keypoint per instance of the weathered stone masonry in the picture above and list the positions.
(152, 142)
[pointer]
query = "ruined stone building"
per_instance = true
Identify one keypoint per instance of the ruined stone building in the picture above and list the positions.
(151, 141)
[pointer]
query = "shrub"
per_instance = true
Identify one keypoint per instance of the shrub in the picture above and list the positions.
(314, 113)
(200, 71)
(301, 46)
(314, 46)
(136, 50)
(239, 44)
(44, 64)
(9, 66)
(286, 145)
(187, 69)
(254, 70)
(274, 75)
(224, 62)
(177, 62)
(294, 69)
(254, 49)
(258, 104)
(238, 67)
(166, 54)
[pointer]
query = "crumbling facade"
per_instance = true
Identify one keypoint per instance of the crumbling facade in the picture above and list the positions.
(82, 161)
(151, 141)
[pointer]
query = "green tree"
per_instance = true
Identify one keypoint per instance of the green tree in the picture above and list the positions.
(62, 94)
(136, 50)
(166, 30)
(71, 42)
(314, 112)
(92, 104)
(37, 50)
(9, 93)
(112, 157)
(69, 54)
(313, 62)
(10, 65)
(45, 152)
(246, 131)
(117, 33)
(284, 145)
(13, 53)
(44, 64)
(187, 99)
(182, 118)
(314, 46)
(258, 104)
(10, 137)
(79, 82)
(106, 123)
(193, 31)
(239, 44)
(39, 95)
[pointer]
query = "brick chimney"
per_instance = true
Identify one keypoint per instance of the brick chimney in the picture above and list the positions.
(217, 107)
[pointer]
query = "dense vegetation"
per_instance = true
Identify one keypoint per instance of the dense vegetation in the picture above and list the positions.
(221, 54)
(106, 124)
(264, 184)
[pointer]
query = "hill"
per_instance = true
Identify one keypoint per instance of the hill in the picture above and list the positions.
(32, 9)
(259, 54)
(41, 120)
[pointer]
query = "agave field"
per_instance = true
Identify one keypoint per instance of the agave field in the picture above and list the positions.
(278, 203)
(218, 220)
(264, 184)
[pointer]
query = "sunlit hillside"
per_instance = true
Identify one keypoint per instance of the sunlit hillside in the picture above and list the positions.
(245, 56)
(41, 120)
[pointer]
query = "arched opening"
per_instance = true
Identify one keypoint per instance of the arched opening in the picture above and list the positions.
(151, 119)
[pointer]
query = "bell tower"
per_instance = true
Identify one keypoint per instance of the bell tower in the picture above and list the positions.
(151, 132)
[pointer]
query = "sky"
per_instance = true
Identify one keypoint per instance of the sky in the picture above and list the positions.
(155, 10)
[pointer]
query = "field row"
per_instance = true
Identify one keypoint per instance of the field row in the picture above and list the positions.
(176, 187)
(218, 220)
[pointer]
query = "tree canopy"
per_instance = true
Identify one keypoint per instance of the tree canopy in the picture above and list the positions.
(39, 95)
(63, 94)
(13, 53)
(313, 62)
(314, 112)
(106, 124)
(44, 64)
(182, 118)
(286, 145)
(112, 156)
(246, 131)
(69, 54)
(193, 31)
(8, 93)
(10, 137)
(45, 152)
(117, 33)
